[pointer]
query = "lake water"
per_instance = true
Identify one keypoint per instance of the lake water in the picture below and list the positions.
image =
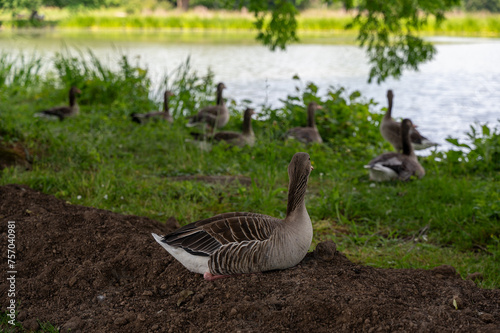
(459, 87)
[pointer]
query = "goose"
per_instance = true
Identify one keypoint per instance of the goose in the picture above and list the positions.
(165, 114)
(215, 116)
(63, 112)
(239, 243)
(310, 133)
(391, 130)
(234, 138)
(393, 165)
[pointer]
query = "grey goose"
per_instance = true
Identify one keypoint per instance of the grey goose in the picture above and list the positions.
(391, 130)
(308, 134)
(62, 112)
(393, 165)
(238, 243)
(247, 137)
(165, 114)
(215, 116)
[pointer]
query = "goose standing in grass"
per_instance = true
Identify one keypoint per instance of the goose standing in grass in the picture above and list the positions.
(63, 112)
(165, 114)
(391, 130)
(215, 116)
(247, 137)
(392, 165)
(238, 243)
(310, 133)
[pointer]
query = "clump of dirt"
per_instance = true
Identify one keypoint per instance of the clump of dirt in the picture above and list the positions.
(89, 270)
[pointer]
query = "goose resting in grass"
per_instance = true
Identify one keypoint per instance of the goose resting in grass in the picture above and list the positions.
(247, 137)
(215, 116)
(391, 130)
(310, 133)
(392, 165)
(238, 243)
(165, 114)
(63, 112)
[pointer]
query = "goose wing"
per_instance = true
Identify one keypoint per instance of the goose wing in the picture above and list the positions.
(227, 136)
(305, 134)
(401, 164)
(204, 237)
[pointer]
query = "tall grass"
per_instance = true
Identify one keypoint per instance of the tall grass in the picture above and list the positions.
(102, 159)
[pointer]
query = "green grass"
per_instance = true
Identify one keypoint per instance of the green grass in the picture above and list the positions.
(309, 22)
(102, 159)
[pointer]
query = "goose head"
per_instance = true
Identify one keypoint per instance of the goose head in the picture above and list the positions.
(220, 86)
(74, 90)
(390, 95)
(248, 114)
(168, 94)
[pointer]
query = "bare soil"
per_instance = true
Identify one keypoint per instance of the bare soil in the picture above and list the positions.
(89, 270)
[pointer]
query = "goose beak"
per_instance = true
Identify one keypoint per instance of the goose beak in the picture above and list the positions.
(312, 168)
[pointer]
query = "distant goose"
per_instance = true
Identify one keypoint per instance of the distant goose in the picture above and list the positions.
(391, 130)
(310, 133)
(215, 116)
(165, 114)
(237, 243)
(392, 165)
(247, 137)
(63, 112)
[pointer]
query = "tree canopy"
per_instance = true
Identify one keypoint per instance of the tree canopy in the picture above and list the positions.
(388, 29)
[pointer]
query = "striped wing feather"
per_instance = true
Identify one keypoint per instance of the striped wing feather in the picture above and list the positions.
(205, 237)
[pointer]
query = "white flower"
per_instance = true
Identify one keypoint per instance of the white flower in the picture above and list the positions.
(79, 197)
(106, 197)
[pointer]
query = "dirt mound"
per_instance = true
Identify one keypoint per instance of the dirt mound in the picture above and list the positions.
(91, 270)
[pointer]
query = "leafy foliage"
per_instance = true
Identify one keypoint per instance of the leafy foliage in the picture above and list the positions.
(388, 30)
(483, 151)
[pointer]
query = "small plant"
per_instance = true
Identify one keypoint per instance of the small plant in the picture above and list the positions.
(483, 151)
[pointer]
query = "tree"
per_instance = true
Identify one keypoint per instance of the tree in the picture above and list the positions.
(388, 29)
(183, 4)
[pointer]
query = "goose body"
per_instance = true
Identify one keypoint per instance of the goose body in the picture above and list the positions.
(391, 130)
(160, 115)
(62, 112)
(310, 133)
(402, 166)
(215, 116)
(238, 243)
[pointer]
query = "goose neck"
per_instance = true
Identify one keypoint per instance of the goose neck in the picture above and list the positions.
(247, 125)
(165, 104)
(405, 134)
(388, 114)
(220, 100)
(296, 195)
(310, 117)
(72, 98)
